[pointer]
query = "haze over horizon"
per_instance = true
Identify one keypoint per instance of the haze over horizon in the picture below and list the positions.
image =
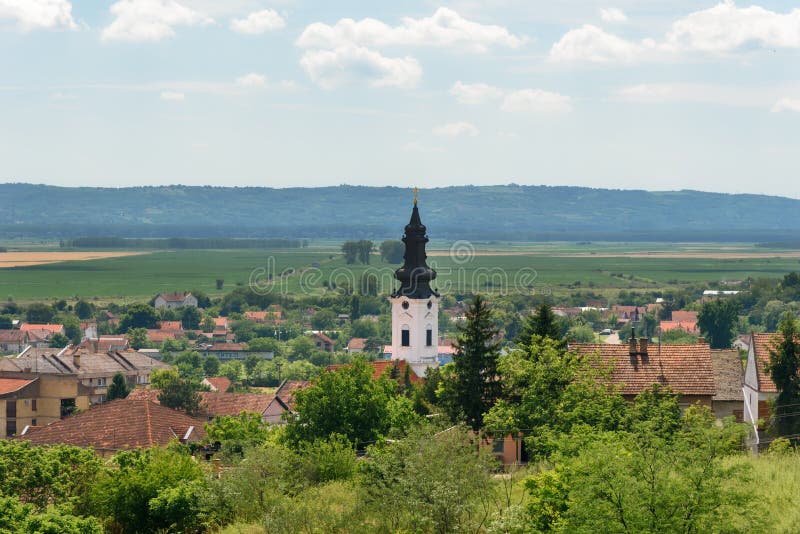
(666, 96)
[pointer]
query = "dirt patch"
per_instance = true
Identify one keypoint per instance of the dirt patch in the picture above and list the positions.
(24, 259)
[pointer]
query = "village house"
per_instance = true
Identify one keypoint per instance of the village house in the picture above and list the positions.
(322, 341)
(728, 382)
(51, 328)
(687, 369)
(76, 372)
(175, 300)
(212, 404)
(217, 383)
(41, 392)
(759, 389)
(356, 345)
(13, 341)
(119, 425)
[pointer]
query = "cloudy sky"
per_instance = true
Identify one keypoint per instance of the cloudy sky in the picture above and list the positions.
(662, 94)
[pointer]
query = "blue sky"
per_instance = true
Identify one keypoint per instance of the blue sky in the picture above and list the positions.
(657, 95)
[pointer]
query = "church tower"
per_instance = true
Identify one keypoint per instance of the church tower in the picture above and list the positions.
(415, 306)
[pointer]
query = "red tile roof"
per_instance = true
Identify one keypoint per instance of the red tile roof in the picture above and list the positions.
(217, 403)
(170, 325)
(10, 385)
(119, 424)
(52, 328)
(163, 335)
(687, 326)
(383, 366)
(684, 316)
(762, 345)
(321, 336)
(687, 369)
(12, 336)
(357, 343)
(219, 383)
(287, 389)
(221, 321)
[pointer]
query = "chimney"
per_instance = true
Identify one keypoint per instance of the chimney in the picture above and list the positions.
(632, 346)
(643, 346)
(76, 359)
(701, 340)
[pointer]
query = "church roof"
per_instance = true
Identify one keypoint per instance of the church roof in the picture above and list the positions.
(415, 275)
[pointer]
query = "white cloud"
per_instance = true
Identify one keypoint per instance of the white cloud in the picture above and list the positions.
(719, 29)
(475, 93)
(613, 14)
(456, 129)
(590, 43)
(258, 22)
(764, 97)
(445, 28)
(351, 64)
(172, 95)
(252, 80)
(786, 104)
(38, 14)
(537, 101)
(726, 27)
(150, 20)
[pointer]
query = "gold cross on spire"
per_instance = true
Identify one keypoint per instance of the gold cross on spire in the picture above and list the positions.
(416, 190)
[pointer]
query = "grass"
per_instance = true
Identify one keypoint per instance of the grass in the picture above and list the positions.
(774, 488)
(524, 269)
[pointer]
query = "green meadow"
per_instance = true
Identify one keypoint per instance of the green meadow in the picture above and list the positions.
(495, 268)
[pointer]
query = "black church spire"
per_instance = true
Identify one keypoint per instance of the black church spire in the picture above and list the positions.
(415, 276)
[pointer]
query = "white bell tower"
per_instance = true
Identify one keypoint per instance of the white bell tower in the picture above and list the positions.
(415, 306)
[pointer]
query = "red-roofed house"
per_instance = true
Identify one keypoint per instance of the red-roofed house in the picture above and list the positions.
(52, 328)
(687, 369)
(322, 341)
(18, 404)
(119, 425)
(213, 404)
(687, 326)
(218, 383)
(288, 388)
(386, 367)
(170, 325)
(759, 388)
(356, 345)
(683, 316)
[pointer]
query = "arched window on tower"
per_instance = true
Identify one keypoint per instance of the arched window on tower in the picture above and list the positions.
(405, 337)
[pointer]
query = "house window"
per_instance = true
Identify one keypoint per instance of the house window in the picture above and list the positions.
(498, 445)
(33, 422)
(428, 337)
(33, 405)
(101, 381)
(405, 338)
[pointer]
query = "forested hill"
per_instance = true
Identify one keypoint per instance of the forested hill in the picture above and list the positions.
(509, 212)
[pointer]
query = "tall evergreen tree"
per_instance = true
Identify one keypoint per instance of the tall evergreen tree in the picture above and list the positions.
(784, 364)
(541, 323)
(118, 389)
(476, 386)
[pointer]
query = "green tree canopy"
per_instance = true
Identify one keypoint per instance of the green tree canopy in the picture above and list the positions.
(346, 401)
(392, 251)
(543, 322)
(717, 319)
(118, 389)
(138, 316)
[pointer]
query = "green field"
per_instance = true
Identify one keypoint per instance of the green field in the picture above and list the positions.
(496, 267)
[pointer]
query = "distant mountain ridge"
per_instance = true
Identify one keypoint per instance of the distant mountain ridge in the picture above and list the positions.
(506, 212)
